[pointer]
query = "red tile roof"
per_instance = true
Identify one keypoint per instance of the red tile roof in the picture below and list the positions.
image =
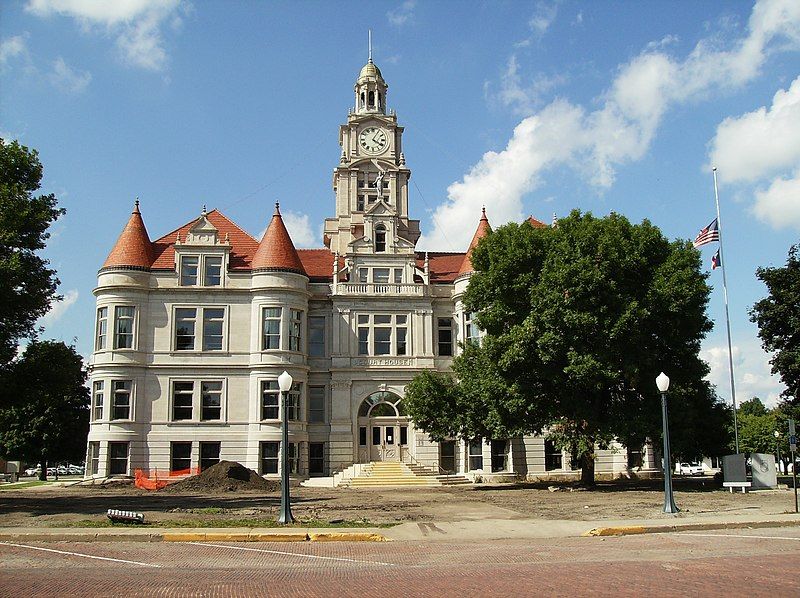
(133, 248)
(276, 250)
(318, 264)
(243, 246)
(483, 230)
(536, 223)
(444, 267)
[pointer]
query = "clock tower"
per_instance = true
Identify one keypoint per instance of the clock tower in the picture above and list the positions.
(371, 180)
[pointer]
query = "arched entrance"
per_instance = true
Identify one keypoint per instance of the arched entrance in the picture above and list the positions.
(383, 428)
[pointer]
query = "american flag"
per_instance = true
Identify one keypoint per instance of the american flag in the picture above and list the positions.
(716, 261)
(707, 235)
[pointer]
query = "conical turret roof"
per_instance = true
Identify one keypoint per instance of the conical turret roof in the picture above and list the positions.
(276, 250)
(483, 230)
(133, 248)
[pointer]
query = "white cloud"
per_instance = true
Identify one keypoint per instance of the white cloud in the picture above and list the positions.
(779, 205)
(762, 142)
(12, 47)
(135, 24)
(402, 14)
(619, 131)
(300, 230)
(57, 310)
(521, 98)
(68, 79)
(543, 17)
(752, 374)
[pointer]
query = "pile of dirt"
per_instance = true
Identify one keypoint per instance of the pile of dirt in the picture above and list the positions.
(225, 476)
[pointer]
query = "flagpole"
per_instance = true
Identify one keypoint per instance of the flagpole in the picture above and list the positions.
(727, 316)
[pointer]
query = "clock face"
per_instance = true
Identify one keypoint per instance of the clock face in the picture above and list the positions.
(373, 140)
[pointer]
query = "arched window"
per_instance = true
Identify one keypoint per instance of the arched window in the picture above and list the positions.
(380, 100)
(381, 404)
(371, 99)
(362, 99)
(380, 238)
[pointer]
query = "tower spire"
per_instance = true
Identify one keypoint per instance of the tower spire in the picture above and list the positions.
(370, 44)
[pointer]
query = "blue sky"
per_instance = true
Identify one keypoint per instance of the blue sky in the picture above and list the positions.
(531, 108)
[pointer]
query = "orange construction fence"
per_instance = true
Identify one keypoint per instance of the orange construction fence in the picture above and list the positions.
(157, 479)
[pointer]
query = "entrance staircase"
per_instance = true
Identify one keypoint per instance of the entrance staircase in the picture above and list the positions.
(379, 474)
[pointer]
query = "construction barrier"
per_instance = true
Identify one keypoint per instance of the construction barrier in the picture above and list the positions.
(157, 479)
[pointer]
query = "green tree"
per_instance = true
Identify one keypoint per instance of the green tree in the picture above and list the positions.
(579, 321)
(50, 417)
(29, 285)
(757, 427)
(778, 319)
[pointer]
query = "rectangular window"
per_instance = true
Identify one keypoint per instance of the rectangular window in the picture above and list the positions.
(445, 326)
(185, 319)
(362, 436)
(123, 321)
(400, 335)
(360, 203)
(212, 272)
(472, 331)
(363, 335)
(380, 275)
(271, 328)
(316, 336)
(213, 324)
(553, 459)
(295, 326)
(270, 395)
(189, 270)
(182, 398)
(209, 454)
(382, 334)
(180, 457)
(97, 401)
(316, 458)
(293, 401)
(363, 273)
(211, 401)
(269, 457)
(499, 455)
(398, 275)
(117, 458)
(635, 457)
(404, 435)
(294, 458)
(316, 404)
(476, 454)
(376, 435)
(121, 399)
(102, 329)
(93, 458)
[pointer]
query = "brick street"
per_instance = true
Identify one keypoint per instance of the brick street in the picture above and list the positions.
(736, 562)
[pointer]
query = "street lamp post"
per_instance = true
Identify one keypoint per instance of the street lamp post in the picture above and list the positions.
(662, 382)
(778, 446)
(285, 384)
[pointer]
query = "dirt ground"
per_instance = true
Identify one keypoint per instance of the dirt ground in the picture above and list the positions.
(50, 506)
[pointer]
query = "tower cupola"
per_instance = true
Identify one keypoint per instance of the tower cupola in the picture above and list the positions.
(370, 87)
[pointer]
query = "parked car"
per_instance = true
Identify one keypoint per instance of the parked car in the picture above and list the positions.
(76, 469)
(690, 469)
(33, 471)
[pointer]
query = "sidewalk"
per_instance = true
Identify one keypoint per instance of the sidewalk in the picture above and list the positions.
(451, 531)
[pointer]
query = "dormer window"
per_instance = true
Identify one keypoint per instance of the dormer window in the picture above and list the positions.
(191, 267)
(380, 238)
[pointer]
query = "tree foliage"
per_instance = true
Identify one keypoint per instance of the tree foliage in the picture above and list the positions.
(757, 426)
(579, 321)
(778, 319)
(49, 418)
(29, 285)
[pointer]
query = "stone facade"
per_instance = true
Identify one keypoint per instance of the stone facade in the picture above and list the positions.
(193, 330)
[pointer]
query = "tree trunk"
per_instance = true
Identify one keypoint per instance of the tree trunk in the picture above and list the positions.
(587, 468)
(43, 472)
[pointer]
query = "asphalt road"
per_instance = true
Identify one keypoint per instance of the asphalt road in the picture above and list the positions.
(722, 563)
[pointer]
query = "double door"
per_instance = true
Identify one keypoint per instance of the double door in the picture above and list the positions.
(385, 440)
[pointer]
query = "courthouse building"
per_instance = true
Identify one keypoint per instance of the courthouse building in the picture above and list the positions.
(194, 328)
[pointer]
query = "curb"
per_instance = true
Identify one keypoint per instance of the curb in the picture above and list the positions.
(630, 530)
(192, 536)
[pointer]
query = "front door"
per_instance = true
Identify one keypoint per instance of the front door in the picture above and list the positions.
(383, 442)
